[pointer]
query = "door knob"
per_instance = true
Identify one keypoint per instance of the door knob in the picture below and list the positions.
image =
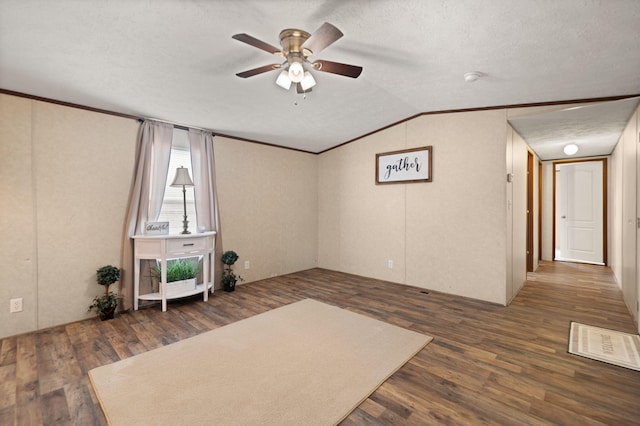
(563, 217)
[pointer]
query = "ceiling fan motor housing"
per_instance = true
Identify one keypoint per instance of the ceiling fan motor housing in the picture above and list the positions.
(292, 40)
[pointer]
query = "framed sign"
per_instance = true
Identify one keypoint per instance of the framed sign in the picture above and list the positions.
(156, 228)
(406, 166)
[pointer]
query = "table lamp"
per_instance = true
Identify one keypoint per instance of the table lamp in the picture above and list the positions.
(183, 179)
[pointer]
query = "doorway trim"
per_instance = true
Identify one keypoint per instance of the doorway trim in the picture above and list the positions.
(530, 172)
(540, 182)
(605, 198)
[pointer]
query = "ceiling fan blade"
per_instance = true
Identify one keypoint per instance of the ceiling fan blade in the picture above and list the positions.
(259, 70)
(300, 90)
(246, 38)
(321, 38)
(347, 70)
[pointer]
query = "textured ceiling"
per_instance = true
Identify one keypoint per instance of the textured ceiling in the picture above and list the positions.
(594, 128)
(176, 61)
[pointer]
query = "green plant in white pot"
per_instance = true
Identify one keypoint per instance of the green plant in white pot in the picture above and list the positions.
(181, 273)
(106, 304)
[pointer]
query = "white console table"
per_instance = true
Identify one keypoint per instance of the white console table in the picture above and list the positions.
(165, 247)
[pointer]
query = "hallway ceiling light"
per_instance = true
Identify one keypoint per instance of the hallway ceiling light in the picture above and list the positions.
(571, 149)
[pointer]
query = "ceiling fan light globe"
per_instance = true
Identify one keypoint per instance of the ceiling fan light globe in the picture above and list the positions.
(296, 72)
(283, 80)
(307, 81)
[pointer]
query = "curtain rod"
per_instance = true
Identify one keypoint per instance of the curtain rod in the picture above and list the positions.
(176, 125)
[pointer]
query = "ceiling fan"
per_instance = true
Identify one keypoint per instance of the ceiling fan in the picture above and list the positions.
(297, 47)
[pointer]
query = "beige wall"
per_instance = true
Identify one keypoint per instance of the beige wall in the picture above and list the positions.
(518, 169)
(547, 211)
(65, 215)
(448, 235)
(362, 225)
(18, 261)
(615, 209)
(625, 211)
(268, 207)
(64, 187)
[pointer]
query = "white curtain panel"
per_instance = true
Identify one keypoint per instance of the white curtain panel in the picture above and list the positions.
(161, 140)
(202, 165)
(205, 194)
(145, 201)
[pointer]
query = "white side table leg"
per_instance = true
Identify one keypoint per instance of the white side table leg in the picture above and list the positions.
(136, 283)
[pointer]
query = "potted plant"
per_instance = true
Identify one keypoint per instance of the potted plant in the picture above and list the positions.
(229, 278)
(181, 275)
(106, 304)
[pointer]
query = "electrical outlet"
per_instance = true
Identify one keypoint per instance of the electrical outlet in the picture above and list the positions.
(247, 264)
(390, 264)
(15, 305)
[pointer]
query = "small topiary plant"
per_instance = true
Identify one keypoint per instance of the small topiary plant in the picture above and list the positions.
(106, 304)
(229, 278)
(107, 275)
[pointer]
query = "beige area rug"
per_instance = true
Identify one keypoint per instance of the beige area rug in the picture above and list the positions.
(612, 347)
(307, 363)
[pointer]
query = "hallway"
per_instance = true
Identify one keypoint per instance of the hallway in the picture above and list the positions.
(590, 290)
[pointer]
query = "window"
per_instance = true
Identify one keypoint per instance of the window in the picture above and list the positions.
(172, 205)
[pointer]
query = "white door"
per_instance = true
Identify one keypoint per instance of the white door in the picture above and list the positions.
(579, 212)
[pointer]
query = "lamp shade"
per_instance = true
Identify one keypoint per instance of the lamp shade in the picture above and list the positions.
(296, 71)
(307, 81)
(283, 80)
(182, 177)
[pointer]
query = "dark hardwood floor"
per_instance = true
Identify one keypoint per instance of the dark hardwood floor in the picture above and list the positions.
(487, 364)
